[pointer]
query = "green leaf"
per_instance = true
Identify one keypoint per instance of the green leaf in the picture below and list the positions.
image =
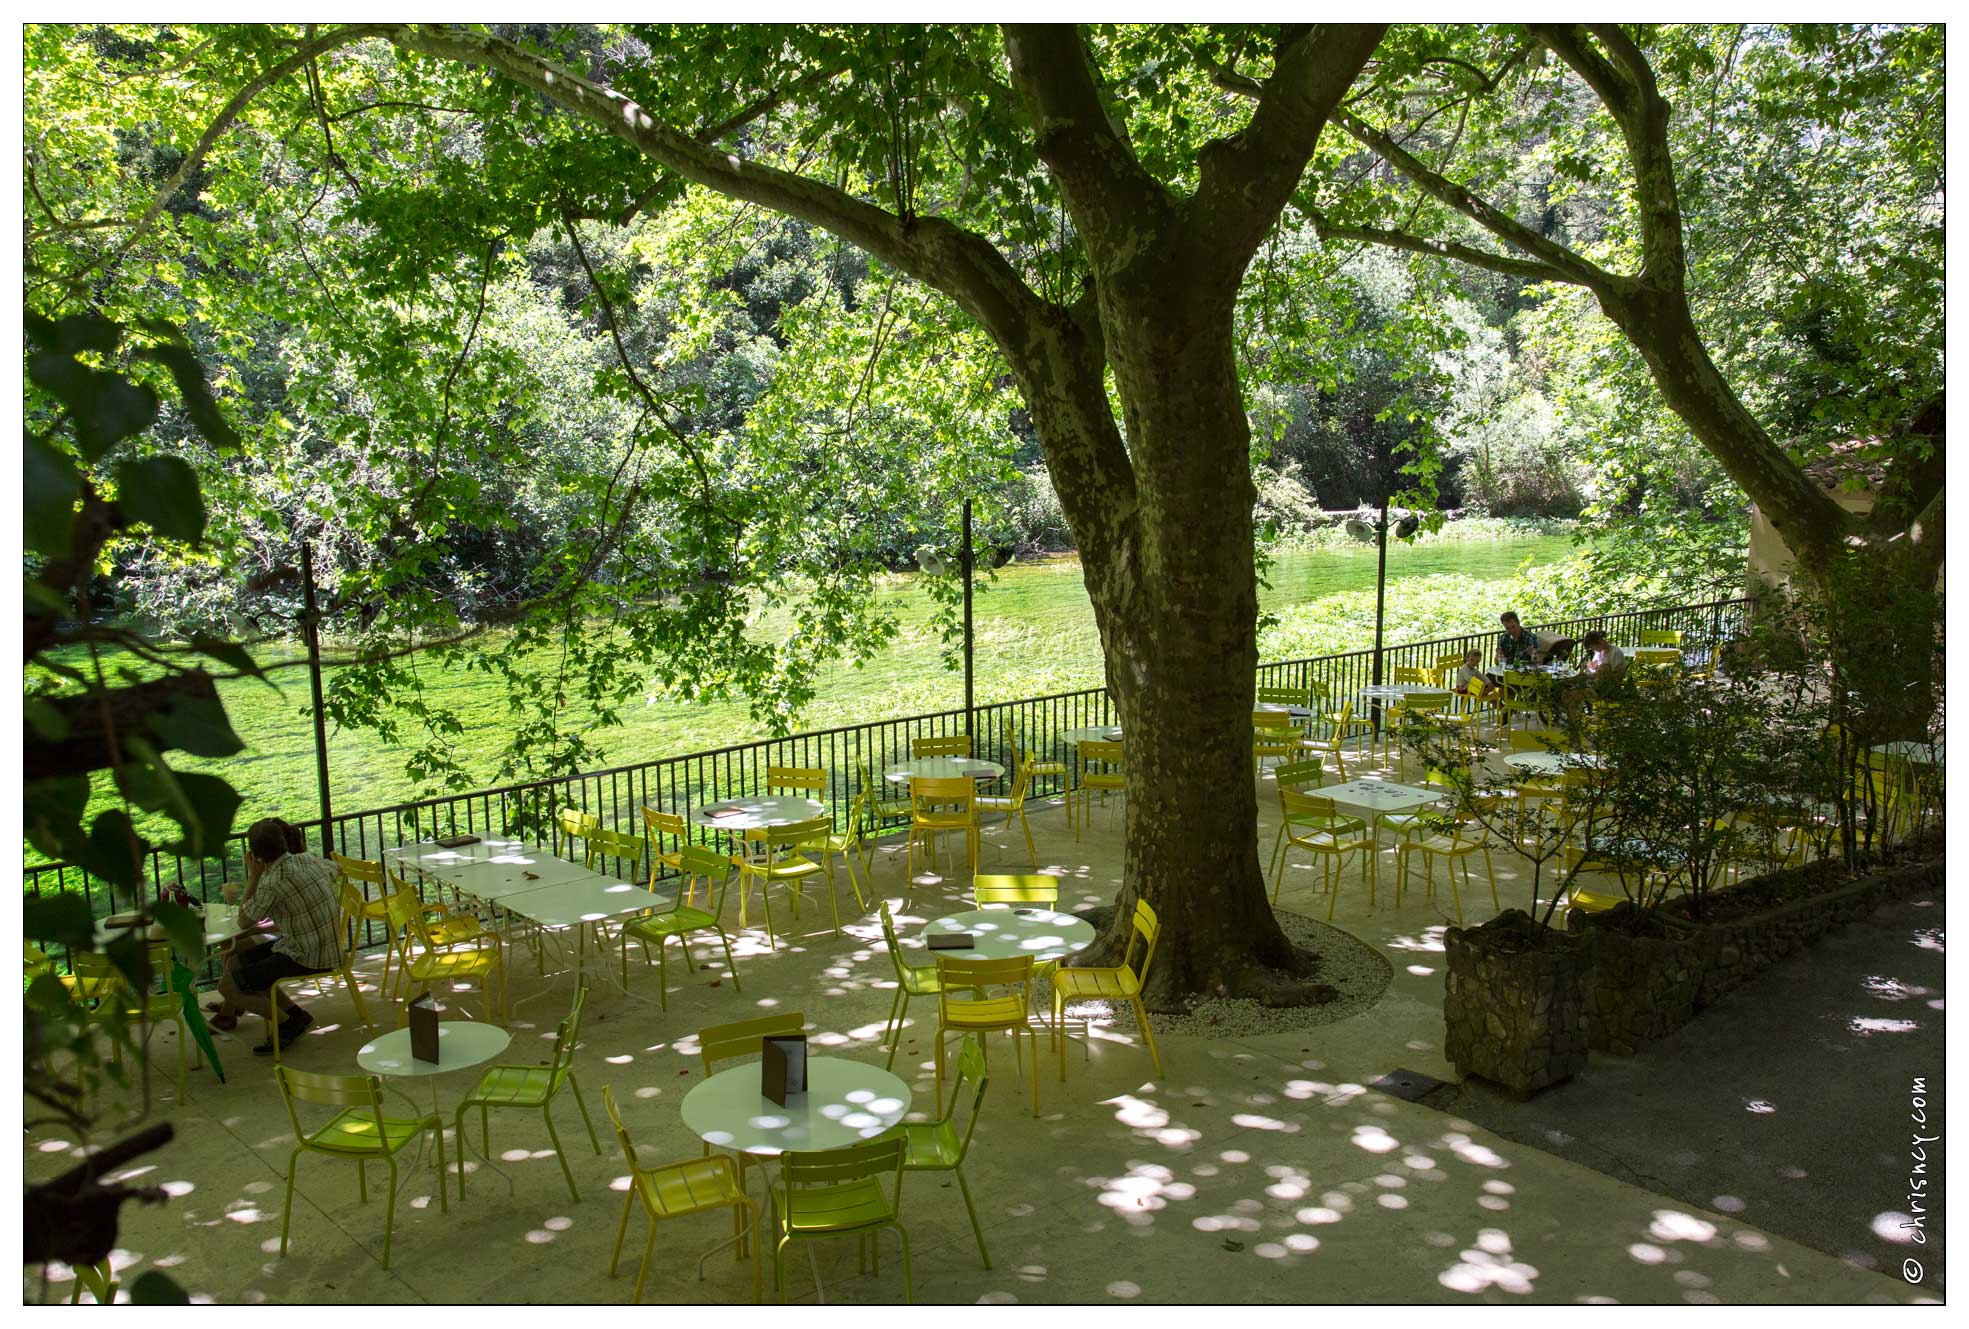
(86, 332)
(213, 804)
(155, 1289)
(54, 813)
(64, 919)
(226, 653)
(44, 719)
(109, 852)
(163, 493)
(187, 930)
(190, 378)
(52, 486)
(197, 725)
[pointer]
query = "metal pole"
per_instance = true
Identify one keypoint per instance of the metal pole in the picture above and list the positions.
(311, 633)
(968, 640)
(1380, 597)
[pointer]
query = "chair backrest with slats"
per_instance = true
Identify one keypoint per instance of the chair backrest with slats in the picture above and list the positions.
(1271, 720)
(358, 869)
(620, 845)
(823, 1169)
(728, 1042)
(1100, 751)
(1284, 696)
(1538, 740)
(795, 834)
(1659, 637)
(1413, 674)
(958, 975)
(1293, 803)
(1148, 930)
(567, 1038)
(796, 779)
(364, 1093)
(928, 794)
(696, 860)
(621, 1131)
(954, 745)
(660, 823)
(970, 1070)
(1299, 774)
(1036, 889)
(895, 946)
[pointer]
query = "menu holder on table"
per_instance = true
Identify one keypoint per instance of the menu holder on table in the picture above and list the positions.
(423, 1015)
(783, 1067)
(456, 841)
(950, 941)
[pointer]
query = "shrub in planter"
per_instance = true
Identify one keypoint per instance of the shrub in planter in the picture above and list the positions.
(1515, 1005)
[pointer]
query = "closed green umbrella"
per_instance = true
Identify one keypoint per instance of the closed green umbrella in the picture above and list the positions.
(183, 984)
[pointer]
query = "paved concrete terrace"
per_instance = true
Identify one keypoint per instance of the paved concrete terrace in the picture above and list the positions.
(1258, 1170)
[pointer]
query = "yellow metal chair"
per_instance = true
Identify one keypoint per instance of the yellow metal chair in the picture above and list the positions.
(622, 850)
(359, 1132)
(912, 980)
(1037, 768)
(938, 805)
(938, 1146)
(1414, 674)
(810, 780)
(150, 1009)
(657, 824)
(951, 745)
(1101, 769)
(1411, 716)
(838, 1192)
(1030, 888)
(877, 810)
(364, 873)
(1297, 777)
(354, 917)
(980, 1013)
(791, 865)
(576, 824)
(1457, 841)
(678, 1190)
(531, 1087)
(1274, 735)
(1658, 637)
(1285, 696)
(1012, 805)
(848, 846)
(1314, 825)
(1123, 982)
(445, 929)
(681, 920)
(1341, 725)
(744, 1038)
(1538, 740)
(478, 963)
(1522, 694)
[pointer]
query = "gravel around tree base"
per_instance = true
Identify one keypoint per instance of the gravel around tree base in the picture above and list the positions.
(1351, 967)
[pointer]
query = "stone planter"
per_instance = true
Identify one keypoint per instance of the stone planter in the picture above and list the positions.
(1638, 988)
(1516, 1011)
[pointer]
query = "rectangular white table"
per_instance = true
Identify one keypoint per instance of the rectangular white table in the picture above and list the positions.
(558, 906)
(1377, 798)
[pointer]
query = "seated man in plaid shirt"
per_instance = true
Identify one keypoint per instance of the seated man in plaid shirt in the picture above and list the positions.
(300, 892)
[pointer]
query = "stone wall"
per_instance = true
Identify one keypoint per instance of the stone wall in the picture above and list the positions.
(1515, 1012)
(1640, 988)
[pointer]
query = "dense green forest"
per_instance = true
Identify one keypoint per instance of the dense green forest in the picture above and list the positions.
(575, 354)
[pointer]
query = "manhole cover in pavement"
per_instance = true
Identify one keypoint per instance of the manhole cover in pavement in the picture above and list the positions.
(1404, 1083)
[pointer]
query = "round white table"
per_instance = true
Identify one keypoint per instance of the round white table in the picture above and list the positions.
(1281, 708)
(1397, 691)
(1100, 733)
(943, 768)
(1552, 763)
(846, 1102)
(462, 1044)
(757, 813)
(1003, 934)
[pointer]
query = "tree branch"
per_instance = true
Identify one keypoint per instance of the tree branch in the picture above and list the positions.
(1525, 268)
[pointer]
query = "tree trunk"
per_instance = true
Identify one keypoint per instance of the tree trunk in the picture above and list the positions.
(1175, 592)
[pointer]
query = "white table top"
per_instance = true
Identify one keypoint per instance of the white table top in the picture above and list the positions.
(758, 812)
(1001, 933)
(428, 855)
(1552, 763)
(943, 768)
(222, 923)
(499, 879)
(564, 904)
(1280, 708)
(1913, 749)
(846, 1102)
(1396, 691)
(462, 1044)
(1100, 733)
(1379, 795)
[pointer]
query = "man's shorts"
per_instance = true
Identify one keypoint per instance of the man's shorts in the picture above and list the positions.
(264, 966)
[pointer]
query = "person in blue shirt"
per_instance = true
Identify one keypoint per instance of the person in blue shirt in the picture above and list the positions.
(1517, 646)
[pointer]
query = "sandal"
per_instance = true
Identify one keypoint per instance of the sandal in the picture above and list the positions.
(225, 1024)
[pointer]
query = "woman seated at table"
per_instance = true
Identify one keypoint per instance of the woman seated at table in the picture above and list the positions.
(299, 891)
(1606, 658)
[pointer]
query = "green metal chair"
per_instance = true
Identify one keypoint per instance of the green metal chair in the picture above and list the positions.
(531, 1087)
(680, 919)
(936, 1146)
(911, 981)
(838, 1192)
(678, 1190)
(359, 1132)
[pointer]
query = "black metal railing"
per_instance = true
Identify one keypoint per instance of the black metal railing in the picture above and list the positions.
(616, 796)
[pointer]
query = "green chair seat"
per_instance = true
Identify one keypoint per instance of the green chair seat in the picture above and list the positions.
(354, 1131)
(515, 1086)
(839, 1207)
(669, 923)
(934, 1146)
